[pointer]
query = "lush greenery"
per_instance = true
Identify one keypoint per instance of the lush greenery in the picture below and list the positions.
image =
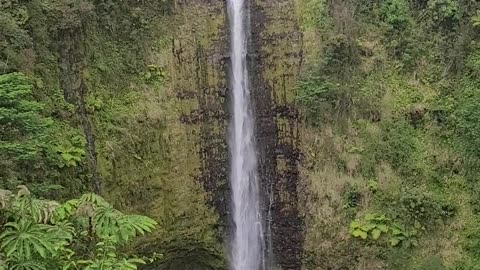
(389, 93)
(83, 233)
(34, 147)
(390, 96)
(86, 96)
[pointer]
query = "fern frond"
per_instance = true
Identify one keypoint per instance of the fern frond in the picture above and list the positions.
(107, 222)
(93, 198)
(62, 231)
(134, 225)
(40, 211)
(66, 210)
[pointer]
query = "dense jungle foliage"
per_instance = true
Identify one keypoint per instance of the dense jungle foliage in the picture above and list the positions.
(82, 233)
(84, 105)
(390, 92)
(391, 96)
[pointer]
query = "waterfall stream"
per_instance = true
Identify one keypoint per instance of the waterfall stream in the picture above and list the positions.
(247, 241)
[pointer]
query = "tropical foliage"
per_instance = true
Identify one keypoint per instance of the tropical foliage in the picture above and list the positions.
(83, 233)
(396, 132)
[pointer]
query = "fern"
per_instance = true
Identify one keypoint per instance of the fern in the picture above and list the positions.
(93, 198)
(24, 205)
(62, 235)
(41, 211)
(133, 225)
(66, 210)
(107, 222)
(112, 223)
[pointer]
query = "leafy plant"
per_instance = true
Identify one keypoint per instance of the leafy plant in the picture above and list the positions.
(476, 19)
(71, 155)
(154, 74)
(373, 185)
(43, 233)
(396, 14)
(416, 206)
(29, 137)
(444, 11)
(20, 119)
(106, 258)
(314, 94)
(352, 197)
(375, 226)
(400, 234)
(94, 104)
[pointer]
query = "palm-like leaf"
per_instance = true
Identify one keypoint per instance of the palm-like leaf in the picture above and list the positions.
(133, 225)
(66, 210)
(62, 231)
(93, 198)
(25, 239)
(41, 211)
(21, 264)
(107, 222)
(110, 222)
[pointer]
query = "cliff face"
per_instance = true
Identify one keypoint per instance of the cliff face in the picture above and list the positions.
(201, 81)
(138, 95)
(276, 57)
(146, 87)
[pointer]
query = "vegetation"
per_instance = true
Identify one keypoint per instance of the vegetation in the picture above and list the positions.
(85, 99)
(83, 233)
(390, 96)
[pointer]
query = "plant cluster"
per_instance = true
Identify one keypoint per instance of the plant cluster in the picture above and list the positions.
(83, 233)
(375, 226)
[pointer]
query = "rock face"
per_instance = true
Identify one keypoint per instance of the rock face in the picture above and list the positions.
(276, 57)
(201, 61)
(199, 55)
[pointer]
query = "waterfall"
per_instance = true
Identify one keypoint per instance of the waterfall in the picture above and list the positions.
(247, 241)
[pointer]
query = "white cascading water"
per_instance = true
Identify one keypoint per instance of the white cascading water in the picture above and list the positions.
(247, 241)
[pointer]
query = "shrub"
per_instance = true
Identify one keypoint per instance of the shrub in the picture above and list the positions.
(396, 14)
(444, 12)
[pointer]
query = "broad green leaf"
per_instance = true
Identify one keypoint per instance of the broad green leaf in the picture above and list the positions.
(360, 233)
(376, 234)
(394, 242)
(383, 228)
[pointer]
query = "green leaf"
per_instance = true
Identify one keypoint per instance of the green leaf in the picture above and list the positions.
(355, 224)
(367, 227)
(383, 228)
(376, 234)
(360, 233)
(394, 242)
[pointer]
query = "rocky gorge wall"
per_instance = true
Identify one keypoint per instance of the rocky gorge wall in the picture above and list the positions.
(201, 61)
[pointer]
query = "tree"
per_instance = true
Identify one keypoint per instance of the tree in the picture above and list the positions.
(24, 130)
(33, 145)
(22, 127)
